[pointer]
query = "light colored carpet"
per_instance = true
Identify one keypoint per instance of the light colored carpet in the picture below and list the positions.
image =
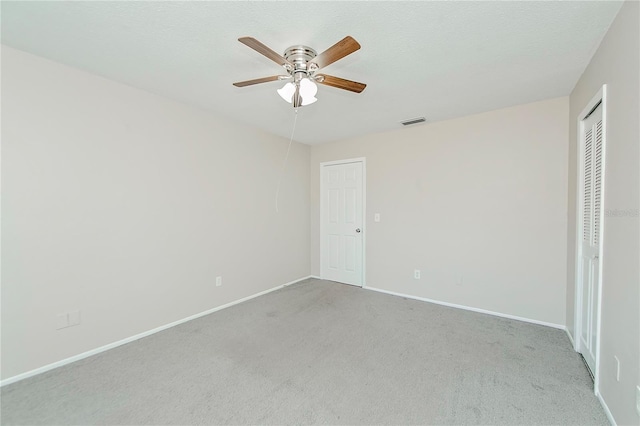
(322, 352)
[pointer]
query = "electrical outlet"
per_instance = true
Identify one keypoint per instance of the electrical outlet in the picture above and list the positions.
(617, 368)
(416, 274)
(376, 217)
(218, 281)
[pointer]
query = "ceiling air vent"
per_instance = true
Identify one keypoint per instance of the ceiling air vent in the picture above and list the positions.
(413, 121)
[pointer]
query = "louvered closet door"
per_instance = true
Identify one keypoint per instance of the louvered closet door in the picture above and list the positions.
(590, 236)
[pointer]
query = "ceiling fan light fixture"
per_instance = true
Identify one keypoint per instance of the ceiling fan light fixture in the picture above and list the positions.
(307, 90)
(308, 101)
(287, 92)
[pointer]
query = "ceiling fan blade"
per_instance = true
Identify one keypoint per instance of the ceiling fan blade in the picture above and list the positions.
(257, 81)
(264, 50)
(344, 47)
(340, 83)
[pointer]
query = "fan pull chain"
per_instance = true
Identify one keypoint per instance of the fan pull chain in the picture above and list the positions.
(284, 165)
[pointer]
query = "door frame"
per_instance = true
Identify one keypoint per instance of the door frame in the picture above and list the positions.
(362, 160)
(600, 98)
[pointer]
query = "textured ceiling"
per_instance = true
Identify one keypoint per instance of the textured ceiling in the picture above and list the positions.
(439, 60)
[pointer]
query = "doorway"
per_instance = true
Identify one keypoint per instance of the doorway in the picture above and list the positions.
(342, 225)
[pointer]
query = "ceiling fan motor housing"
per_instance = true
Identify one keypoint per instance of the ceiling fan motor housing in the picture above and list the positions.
(299, 56)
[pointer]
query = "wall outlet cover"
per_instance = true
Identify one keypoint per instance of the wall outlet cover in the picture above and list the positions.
(218, 281)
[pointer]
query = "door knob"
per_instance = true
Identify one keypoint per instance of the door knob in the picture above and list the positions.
(358, 230)
(596, 257)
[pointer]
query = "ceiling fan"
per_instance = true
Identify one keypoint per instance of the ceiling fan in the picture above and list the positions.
(301, 64)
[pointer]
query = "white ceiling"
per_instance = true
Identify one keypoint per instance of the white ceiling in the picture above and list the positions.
(439, 60)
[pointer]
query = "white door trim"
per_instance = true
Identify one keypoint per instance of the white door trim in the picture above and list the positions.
(599, 98)
(362, 160)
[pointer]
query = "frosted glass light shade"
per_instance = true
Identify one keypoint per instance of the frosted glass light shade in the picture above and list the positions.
(308, 100)
(287, 92)
(308, 90)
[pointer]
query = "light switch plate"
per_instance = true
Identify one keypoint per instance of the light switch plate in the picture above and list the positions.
(376, 217)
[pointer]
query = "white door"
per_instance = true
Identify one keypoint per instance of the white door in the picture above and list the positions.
(591, 140)
(341, 223)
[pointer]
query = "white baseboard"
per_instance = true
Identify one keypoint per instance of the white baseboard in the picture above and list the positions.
(315, 276)
(95, 351)
(573, 343)
(606, 410)
(469, 308)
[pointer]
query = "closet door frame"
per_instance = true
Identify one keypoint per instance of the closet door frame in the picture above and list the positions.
(598, 100)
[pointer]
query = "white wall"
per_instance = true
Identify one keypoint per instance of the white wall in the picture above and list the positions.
(617, 64)
(127, 206)
(482, 197)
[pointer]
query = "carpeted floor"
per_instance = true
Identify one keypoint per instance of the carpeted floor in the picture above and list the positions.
(322, 352)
